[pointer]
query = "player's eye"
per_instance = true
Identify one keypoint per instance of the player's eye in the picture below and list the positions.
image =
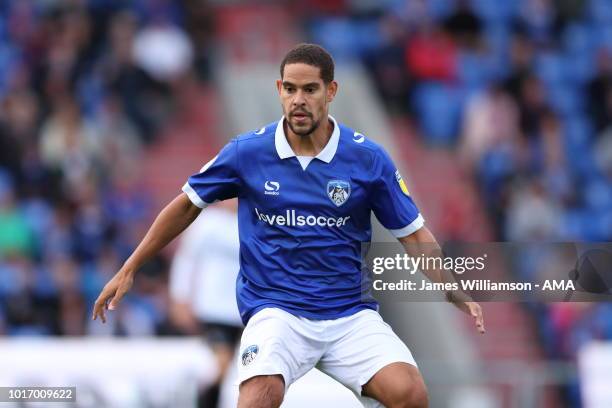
(289, 89)
(309, 90)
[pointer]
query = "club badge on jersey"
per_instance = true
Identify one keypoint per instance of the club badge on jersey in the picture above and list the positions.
(338, 191)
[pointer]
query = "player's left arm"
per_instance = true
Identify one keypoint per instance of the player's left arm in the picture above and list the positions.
(422, 241)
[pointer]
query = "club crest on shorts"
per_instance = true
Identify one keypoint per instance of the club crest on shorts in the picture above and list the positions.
(338, 191)
(249, 354)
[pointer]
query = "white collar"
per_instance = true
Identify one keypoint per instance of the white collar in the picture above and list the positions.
(285, 151)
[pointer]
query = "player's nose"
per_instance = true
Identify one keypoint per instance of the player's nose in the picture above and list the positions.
(299, 99)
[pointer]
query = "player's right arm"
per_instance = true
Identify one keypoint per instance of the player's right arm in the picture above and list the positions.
(218, 180)
(170, 222)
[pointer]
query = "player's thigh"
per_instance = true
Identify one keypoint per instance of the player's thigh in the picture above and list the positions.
(264, 391)
(271, 344)
(397, 385)
(366, 346)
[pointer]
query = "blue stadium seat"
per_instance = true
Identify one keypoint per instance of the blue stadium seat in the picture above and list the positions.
(9, 56)
(588, 228)
(474, 69)
(367, 36)
(604, 222)
(347, 39)
(571, 227)
(578, 37)
(335, 34)
(598, 195)
(603, 33)
(550, 67)
(439, 108)
(578, 130)
(494, 168)
(581, 66)
(495, 11)
(601, 11)
(497, 37)
(564, 98)
(578, 134)
(438, 9)
(91, 94)
(595, 226)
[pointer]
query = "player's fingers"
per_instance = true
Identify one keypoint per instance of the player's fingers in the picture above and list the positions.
(99, 311)
(100, 305)
(480, 321)
(473, 310)
(117, 298)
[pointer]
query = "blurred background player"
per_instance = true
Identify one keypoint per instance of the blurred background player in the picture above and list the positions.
(203, 286)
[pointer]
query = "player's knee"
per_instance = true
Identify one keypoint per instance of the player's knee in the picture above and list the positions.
(264, 391)
(413, 395)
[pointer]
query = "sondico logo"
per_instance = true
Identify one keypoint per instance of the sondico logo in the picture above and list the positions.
(292, 219)
(272, 188)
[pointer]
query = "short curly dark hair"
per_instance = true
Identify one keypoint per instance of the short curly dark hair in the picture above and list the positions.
(311, 54)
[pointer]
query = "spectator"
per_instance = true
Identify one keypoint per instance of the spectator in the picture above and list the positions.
(432, 55)
(136, 89)
(600, 92)
(533, 215)
(69, 143)
(552, 159)
(119, 140)
(15, 234)
(163, 51)
(532, 104)
(521, 60)
(603, 153)
(491, 118)
(464, 25)
(18, 126)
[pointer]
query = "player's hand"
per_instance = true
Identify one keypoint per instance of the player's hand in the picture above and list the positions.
(112, 293)
(465, 303)
(474, 310)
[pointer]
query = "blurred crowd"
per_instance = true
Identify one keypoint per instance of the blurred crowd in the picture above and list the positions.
(85, 88)
(521, 93)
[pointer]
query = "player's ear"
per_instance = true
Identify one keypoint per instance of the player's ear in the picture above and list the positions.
(279, 85)
(332, 88)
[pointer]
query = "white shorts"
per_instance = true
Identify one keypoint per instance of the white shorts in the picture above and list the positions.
(349, 349)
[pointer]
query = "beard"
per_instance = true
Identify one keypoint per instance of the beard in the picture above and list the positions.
(304, 131)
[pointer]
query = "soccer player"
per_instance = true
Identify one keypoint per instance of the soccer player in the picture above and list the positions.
(306, 187)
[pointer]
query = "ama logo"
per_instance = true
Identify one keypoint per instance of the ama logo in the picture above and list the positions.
(249, 354)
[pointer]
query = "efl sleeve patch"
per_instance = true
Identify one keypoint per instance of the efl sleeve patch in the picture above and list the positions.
(401, 183)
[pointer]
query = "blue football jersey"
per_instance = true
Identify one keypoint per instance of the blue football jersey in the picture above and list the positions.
(302, 222)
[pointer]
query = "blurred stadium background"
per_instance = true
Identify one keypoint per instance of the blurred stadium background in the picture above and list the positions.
(499, 113)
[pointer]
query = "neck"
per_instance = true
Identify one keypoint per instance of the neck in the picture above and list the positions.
(312, 144)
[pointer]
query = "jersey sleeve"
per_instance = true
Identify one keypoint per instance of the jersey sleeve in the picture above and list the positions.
(218, 180)
(391, 201)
